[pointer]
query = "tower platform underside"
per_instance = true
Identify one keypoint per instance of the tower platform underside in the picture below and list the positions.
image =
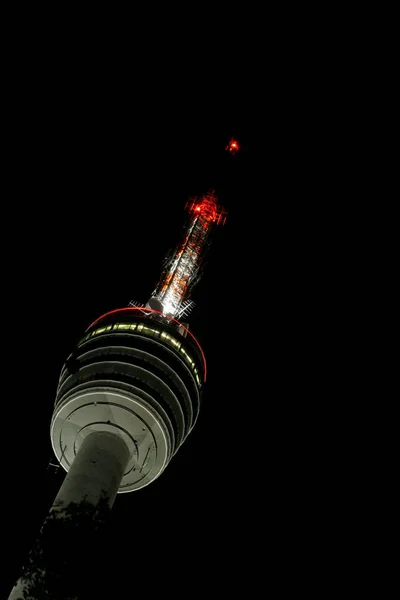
(135, 375)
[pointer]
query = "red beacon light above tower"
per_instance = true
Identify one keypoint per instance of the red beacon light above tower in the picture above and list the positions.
(233, 146)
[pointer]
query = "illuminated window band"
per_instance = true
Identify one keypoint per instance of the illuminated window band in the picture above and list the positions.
(157, 312)
(150, 331)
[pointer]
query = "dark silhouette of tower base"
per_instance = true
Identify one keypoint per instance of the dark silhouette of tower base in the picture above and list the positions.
(94, 479)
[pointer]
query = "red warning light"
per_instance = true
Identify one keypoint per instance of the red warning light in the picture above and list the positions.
(233, 146)
(207, 206)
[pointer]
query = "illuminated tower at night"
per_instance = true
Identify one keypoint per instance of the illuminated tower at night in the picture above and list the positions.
(129, 394)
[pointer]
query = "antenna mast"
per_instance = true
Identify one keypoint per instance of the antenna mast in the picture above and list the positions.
(182, 269)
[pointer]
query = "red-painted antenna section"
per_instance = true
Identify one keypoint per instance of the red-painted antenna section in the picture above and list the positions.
(182, 270)
(207, 208)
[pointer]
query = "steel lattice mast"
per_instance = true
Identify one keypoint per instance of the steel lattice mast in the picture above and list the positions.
(182, 269)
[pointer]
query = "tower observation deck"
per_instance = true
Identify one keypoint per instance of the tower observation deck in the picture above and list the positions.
(135, 373)
(138, 372)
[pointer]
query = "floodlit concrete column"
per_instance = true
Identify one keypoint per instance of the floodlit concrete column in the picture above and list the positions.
(96, 472)
(94, 476)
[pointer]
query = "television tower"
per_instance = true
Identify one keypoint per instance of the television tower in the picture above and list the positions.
(129, 394)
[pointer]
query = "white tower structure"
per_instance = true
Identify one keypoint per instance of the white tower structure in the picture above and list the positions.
(129, 394)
